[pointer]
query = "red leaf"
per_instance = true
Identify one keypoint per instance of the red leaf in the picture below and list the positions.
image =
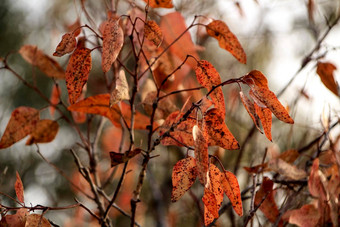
(232, 190)
(67, 44)
(226, 39)
(77, 72)
(308, 215)
(159, 3)
(37, 58)
(201, 155)
(19, 188)
(15, 220)
(43, 132)
(113, 40)
(315, 185)
(55, 98)
(153, 32)
(326, 72)
(184, 175)
(22, 122)
(265, 116)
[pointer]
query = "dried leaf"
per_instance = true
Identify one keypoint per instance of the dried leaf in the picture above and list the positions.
(159, 3)
(19, 188)
(43, 132)
(286, 170)
(308, 215)
(55, 98)
(164, 108)
(208, 77)
(22, 122)
(36, 220)
(250, 109)
(173, 25)
(15, 220)
(37, 58)
(74, 28)
(201, 155)
(326, 72)
(265, 116)
(315, 185)
(67, 44)
(77, 72)
(256, 78)
(289, 155)
(113, 40)
(268, 206)
(217, 131)
(153, 32)
(121, 91)
(184, 175)
(119, 158)
(256, 169)
(232, 189)
(210, 206)
(226, 39)
(99, 104)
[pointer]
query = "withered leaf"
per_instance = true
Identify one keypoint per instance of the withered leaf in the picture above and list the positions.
(286, 170)
(184, 174)
(121, 91)
(210, 206)
(15, 220)
(226, 39)
(315, 182)
(164, 108)
(19, 188)
(113, 40)
(256, 78)
(250, 109)
(37, 58)
(22, 122)
(67, 44)
(265, 116)
(307, 215)
(326, 72)
(118, 158)
(159, 3)
(55, 98)
(153, 32)
(232, 189)
(34, 220)
(77, 72)
(43, 132)
(201, 155)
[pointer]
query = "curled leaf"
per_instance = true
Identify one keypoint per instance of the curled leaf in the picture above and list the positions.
(43, 132)
(19, 188)
(250, 109)
(159, 3)
(153, 33)
(55, 98)
(226, 39)
(121, 91)
(118, 158)
(325, 70)
(184, 174)
(201, 155)
(67, 44)
(22, 122)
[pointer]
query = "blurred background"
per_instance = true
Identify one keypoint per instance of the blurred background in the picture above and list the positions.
(276, 35)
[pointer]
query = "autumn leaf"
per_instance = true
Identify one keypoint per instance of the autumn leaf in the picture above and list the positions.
(208, 77)
(121, 91)
(77, 72)
(226, 39)
(250, 109)
(325, 70)
(217, 131)
(22, 122)
(268, 206)
(113, 40)
(286, 170)
(210, 206)
(99, 104)
(37, 58)
(164, 107)
(265, 116)
(118, 158)
(67, 44)
(153, 32)
(232, 189)
(43, 132)
(256, 78)
(19, 188)
(306, 216)
(315, 184)
(74, 27)
(15, 220)
(201, 155)
(184, 174)
(55, 98)
(159, 3)
(34, 220)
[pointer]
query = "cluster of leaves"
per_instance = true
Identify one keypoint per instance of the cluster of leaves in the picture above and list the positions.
(166, 54)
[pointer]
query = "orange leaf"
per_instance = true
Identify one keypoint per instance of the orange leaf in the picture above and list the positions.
(265, 116)
(77, 72)
(67, 44)
(201, 155)
(217, 131)
(37, 58)
(121, 91)
(113, 40)
(164, 108)
(315, 185)
(226, 39)
(256, 78)
(22, 122)
(184, 175)
(15, 220)
(159, 3)
(19, 188)
(307, 215)
(210, 206)
(153, 33)
(34, 220)
(268, 206)
(43, 132)
(118, 158)
(208, 77)
(55, 98)
(99, 104)
(256, 169)
(325, 71)
(250, 109)
(173, 25)
(232, 189)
